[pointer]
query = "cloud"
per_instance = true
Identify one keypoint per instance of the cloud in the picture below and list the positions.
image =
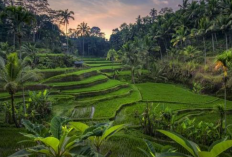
(110, 14)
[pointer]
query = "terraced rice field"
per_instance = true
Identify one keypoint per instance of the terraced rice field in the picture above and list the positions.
(80, 93)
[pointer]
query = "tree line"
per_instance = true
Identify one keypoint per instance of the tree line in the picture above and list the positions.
(33, 21)
(194, 23)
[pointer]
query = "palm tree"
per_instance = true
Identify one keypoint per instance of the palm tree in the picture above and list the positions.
(223, 23)
(223, 62)
(83, 30)
(65, 15)
(112, 55)
(18, 17)
(30, 50)
(203, 26)
(13, 74)
(153, 14)
(180, 36)
(189, 52)
(135, 56)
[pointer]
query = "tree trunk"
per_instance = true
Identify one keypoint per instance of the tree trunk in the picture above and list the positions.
(161, 55)
(225, 95)
(215, 35)
(13, 111)
(204, 49)
(24, 104)
(132, 76)
(226, 41)
(67, 36)
(14, 42)
(221, 127)
(83, 47)
(213, 43)
(20, 53)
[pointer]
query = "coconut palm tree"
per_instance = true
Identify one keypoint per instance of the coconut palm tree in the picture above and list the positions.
(203, 26)
(13, 74)
(153, 14)
(223, 23)
(65, 16)
(223, 62)
(180, 36)
(18, 17)
(112, 55)
(83, 30)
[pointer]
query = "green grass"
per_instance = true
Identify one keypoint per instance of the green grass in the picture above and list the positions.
(77, 73)
(98, 87)
(88, 80)
(127, 115)
(56, 70)
(102, 64)
(107, 109)
(171, 93)
(111, 94)
(49, 55)
(9, 141)
(98, 62)
(126, 72)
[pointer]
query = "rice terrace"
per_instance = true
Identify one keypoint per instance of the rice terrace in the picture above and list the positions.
(137, 78)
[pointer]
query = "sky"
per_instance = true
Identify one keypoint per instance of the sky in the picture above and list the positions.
(109, 14)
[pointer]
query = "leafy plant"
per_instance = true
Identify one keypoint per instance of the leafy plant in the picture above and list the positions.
(216, 149)
(166, 151)
(102, 131)
(58, 141)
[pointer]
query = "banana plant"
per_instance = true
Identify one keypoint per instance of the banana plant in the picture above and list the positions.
(57, 141)
(216, 149)
(101, 131)
(66, 146)
(166, 151)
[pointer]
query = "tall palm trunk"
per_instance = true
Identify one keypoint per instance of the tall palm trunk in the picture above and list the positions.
(20, 44)
(213, 43)
(83, 47)
(132, 76)
(14, 42)
(13, 110)
(226, 41)
(24, 104)
(204, 49)
(225, 95)
(67, 36)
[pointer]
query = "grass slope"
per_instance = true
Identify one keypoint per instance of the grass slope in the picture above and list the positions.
(98, 87)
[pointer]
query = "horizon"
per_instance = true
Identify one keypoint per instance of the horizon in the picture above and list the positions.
(109, 14)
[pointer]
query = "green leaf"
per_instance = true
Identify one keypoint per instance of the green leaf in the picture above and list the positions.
(56, 127)
(221, 147)
(216, 142)
(206, 154)
(191, 147)
(79, 126)
(145, 153)
(51, 142)
(171, 155)
(109, 132)
(150, 147)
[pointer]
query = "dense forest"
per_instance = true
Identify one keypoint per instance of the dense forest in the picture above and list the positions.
(34, 22)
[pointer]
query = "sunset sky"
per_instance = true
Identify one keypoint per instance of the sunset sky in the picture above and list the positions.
(110, 14)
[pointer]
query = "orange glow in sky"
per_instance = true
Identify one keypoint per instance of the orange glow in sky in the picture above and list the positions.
(109, 14)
